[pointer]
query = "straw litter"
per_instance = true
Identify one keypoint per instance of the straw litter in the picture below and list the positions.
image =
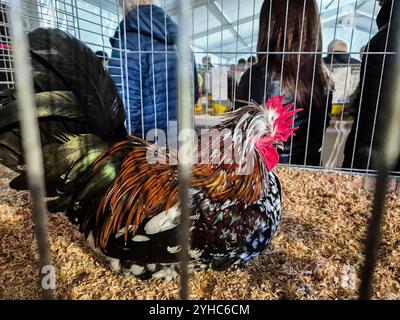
(316, 254)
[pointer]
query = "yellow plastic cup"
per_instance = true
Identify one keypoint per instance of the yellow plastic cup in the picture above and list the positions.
(198, 108)
(220, 109)
(337, 109)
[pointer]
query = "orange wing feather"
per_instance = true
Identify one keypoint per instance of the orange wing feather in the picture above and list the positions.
(142, 190)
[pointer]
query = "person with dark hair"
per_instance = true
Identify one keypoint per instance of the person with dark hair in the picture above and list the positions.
(292, 75)
(103, 57)
(251, 60)
(384, 14)
(241, 62)
(373, 97)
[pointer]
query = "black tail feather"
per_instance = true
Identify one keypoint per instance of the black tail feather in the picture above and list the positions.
(61, 62)
(79, 110)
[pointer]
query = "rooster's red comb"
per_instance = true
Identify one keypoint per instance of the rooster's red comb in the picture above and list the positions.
(283, 125)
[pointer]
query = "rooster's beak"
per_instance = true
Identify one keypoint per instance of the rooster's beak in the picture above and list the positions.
(278, 145)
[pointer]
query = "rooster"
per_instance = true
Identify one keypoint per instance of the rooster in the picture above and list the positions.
(122, 191)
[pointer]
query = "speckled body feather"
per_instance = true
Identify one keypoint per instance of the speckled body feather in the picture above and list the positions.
(136, 220)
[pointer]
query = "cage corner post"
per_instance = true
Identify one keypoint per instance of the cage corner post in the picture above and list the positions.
(31, 140)
(185, 125)
(389, 155)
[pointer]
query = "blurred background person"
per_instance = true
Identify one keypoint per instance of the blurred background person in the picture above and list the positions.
(104, 59)
(291, 78)
(204, 72)
(206, 62)
(384, 13)
(338, 53)
(251, 61)
(363, 144)
(150, 83)
(362, 50)
(242, 64)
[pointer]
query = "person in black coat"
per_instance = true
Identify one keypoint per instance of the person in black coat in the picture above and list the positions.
(373, 97)
(265, 78)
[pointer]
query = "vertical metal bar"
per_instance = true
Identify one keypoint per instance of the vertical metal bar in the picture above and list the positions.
(380, 87)
(298, 73)
(63, 12)
(121, 61)
(267, 54)
(251, 50)
(373, 235)
(102, 27)
(330, 81)
(337, 143)
(284, 45)
(166, 73)
(30, 136)
(236, 56)
(332, 160)
(194, 65)
(389, 155)
(207, 73)
(185, 142)
(40, 14)
(54, 2)
(221, 10)
(77, 20)
(126, 75)
(152, 69)
(362, 90)
(140, 71)
(313, 87)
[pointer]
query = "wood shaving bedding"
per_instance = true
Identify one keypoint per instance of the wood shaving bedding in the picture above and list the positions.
(316, 254)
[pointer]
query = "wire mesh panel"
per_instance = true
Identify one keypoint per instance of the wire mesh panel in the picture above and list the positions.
(6, 74)
(332, 59)
(228, 33)
(93, 22)
(226, 44)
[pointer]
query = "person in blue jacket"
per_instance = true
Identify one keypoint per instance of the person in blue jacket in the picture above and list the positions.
(144, 67)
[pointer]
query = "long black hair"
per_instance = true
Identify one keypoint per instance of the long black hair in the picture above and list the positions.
(277, 35)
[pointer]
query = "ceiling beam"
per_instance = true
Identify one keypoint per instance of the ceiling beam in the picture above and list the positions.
(331, 13)
(336, 17)
(225, 21)
(361, 3)
(217, 47)
(334, 11)
(174, 10)
(226, 26)
(365, 14)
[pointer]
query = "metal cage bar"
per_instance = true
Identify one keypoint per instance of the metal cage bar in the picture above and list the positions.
(185, 76)
(390, 150)
(30, 139)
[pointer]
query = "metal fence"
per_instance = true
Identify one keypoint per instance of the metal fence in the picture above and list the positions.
(223, 32)
(226, 31)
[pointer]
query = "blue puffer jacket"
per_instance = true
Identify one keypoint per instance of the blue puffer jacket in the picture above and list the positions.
(150, 100)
